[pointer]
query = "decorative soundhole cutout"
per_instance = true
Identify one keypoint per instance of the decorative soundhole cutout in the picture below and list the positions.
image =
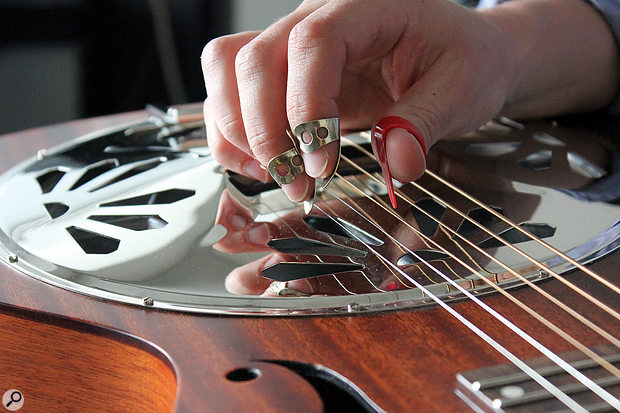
(143, 215)
(427, 212)
(537, 161)
(49, 180)
(56, 209)
(133, 222)
(480, 215)
(93, 243)
(94, 171)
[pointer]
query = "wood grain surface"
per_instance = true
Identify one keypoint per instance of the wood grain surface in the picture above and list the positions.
(406, 361)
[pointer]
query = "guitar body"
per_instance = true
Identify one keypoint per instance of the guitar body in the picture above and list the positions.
(70, 352)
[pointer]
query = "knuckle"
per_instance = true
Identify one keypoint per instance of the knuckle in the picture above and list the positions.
(225, 155)
(230, 125)
(249, 58)
(296, 106)
(213, 52)
(311, 32)
(261, 145)
(302, 108)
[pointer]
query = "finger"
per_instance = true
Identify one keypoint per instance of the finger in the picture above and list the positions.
(243, 239)
(218, 67)
(228, 155)
(243, 234)
(445, 101)
(261, 78)
(320, 47)
(247, 279)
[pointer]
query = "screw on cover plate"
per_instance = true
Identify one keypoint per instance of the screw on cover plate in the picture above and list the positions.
(148, 301)
(542, 273)
(13, 258)
(41, 153)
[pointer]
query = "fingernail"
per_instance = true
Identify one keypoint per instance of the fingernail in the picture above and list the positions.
(254, 169)
(258, 235)
(237, 221)
(297, 192)
(315, 163)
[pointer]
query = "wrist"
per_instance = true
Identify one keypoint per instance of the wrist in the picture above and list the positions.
(564, 57)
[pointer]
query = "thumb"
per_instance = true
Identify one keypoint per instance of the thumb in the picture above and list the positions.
(441, 103)
(400, 148)
(402, 138)
(402, 133)
(401, 145)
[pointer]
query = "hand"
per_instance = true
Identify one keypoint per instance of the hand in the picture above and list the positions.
(445, 68)
(243, 234)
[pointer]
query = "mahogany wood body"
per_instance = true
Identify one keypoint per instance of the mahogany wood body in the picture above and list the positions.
(406, 361)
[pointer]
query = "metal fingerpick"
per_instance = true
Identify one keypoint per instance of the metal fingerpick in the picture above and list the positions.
(287, 166)
(317, 133)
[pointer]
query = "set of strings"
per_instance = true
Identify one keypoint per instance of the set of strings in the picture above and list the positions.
(575, 314)
(533, 374)
(587, 382)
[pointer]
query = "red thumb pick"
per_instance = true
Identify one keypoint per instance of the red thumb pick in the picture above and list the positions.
(378, 134)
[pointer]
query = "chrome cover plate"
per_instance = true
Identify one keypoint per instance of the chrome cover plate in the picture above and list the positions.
(142, 214)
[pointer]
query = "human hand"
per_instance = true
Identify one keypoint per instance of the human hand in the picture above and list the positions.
(445, 68)
(356, 60)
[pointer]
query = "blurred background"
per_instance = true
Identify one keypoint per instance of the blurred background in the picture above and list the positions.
(70, 59)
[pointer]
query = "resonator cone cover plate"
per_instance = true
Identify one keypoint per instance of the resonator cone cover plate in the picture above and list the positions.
(145, 216)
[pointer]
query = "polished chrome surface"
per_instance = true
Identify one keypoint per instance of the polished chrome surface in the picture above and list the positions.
(142, 214)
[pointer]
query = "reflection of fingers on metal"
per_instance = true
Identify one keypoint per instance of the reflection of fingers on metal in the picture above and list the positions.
(280, 288)
(378, 135)
(317, 133)
(285, 167)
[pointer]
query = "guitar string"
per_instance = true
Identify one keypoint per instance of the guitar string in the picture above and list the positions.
(319, 258)
(564, 398)
(601, 361)
(572, 286)
(569, 338)
(554, 274)
(503, 218)
(377, 199)
(544, 350)
(604, 363)
(368, 217)
(472, 326)
(481, 204)
(582, 267)
(462, 249)
(548, 296)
